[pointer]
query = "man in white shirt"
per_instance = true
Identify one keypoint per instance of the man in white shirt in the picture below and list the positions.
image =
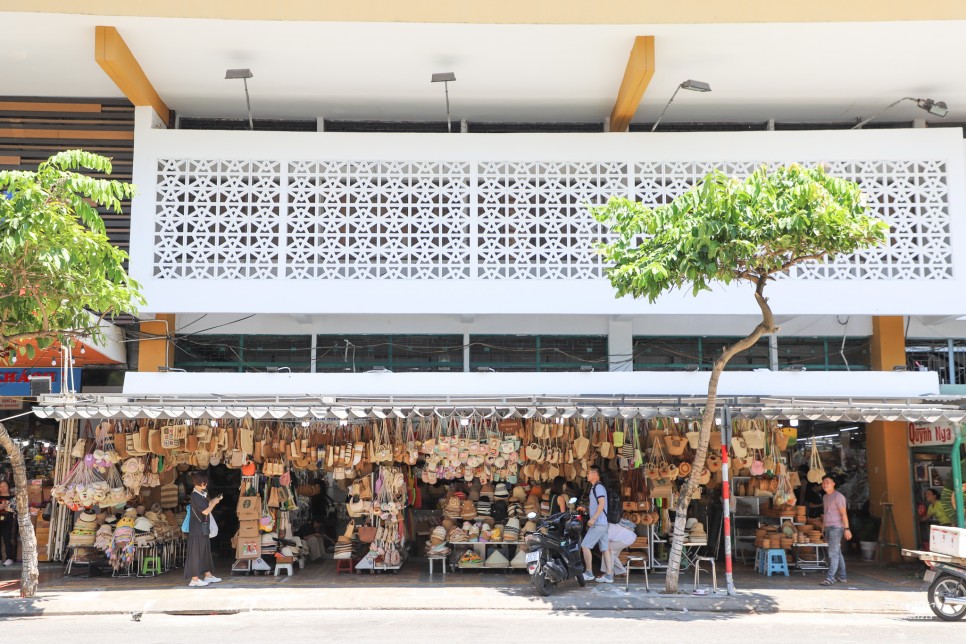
(619, 538)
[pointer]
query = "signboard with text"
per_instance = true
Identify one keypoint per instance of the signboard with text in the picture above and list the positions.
(923, 434)
(16, 382)
(11, 404)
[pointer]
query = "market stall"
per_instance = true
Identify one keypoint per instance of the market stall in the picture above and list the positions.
(417, 471)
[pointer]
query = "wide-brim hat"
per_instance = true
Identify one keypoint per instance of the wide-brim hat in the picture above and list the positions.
(519, 493)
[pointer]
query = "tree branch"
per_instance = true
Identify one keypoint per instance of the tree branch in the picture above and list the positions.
(798, 260)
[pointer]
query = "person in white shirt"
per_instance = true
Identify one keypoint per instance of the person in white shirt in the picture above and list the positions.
(620, 538)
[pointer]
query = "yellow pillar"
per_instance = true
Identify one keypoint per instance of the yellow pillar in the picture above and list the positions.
(889, 466)
(154, 353)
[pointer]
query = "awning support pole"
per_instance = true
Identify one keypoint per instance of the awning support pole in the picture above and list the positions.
(958, 474)
(726, 496)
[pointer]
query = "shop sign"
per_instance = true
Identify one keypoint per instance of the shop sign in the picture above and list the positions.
(16, 382)
(923, 434)
(11, 404)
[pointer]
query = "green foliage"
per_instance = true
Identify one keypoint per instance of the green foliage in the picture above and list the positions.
(56, 262)
(724, 229)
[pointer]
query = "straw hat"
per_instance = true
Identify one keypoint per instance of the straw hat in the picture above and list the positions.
(496, 560)
(519, 493)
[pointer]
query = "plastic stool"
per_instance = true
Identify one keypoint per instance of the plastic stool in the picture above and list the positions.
(287, 567)
(697, 572)
(151, 566)
(344, 565)
(760, 560)
(442, 561)
(775, 561)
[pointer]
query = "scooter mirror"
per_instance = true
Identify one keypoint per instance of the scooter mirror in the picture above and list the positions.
(532, 515)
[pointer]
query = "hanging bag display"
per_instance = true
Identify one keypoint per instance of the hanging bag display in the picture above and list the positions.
(754, 434)
(815, 469)
(618, 436)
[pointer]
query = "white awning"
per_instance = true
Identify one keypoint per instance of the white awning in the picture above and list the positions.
(613, 385)
(851, 397)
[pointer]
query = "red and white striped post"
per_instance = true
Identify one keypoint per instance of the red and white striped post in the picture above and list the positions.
(726, 497)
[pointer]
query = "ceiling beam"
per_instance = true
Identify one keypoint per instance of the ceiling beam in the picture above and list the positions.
(637, 75)
(114, 57)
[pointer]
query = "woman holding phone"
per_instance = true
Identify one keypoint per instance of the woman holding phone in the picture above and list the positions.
(198, 563)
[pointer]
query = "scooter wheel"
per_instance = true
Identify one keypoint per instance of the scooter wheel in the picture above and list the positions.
(947, 586)
(543, 585)
(580, 580)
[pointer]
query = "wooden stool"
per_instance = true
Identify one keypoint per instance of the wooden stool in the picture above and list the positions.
(344, 565)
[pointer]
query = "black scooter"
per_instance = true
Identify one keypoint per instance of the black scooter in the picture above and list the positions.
(555, 556)
(946, 576)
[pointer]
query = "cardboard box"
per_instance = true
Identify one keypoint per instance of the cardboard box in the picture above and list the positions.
(249, 507)
(947, 540)
(248, 548)
(247, 529)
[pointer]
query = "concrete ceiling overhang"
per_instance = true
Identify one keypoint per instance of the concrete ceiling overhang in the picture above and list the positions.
(798, 72)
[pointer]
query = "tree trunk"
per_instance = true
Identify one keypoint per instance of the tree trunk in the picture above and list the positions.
(767, 325)
(28, 540)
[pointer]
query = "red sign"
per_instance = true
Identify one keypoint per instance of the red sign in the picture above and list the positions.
(924, 434)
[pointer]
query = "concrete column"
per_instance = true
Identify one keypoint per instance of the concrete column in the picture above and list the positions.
(158, 352)
(889, 459)
(620, 345)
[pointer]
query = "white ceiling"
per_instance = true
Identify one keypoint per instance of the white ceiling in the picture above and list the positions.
(787, 72)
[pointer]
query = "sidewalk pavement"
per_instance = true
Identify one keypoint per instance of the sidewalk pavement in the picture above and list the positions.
(872, 588)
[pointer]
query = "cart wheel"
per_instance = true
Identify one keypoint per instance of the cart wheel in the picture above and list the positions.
(947, 586)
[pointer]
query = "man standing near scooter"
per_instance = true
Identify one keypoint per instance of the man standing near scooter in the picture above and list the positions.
(597, 531)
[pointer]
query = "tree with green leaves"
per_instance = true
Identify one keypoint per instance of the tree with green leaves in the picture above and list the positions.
(725, 230)
(59, 277)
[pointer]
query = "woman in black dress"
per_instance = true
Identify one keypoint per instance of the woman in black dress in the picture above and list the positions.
(8, 523)
(198, 564)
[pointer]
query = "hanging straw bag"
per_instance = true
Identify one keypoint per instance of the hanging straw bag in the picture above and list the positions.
(815, 469)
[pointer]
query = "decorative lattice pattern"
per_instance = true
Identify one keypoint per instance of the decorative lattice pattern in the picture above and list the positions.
(912, 196)
(218, 219)
(494, 220)
(378, 220)
(533, 220)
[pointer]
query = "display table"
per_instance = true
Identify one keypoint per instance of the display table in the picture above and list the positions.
(369, 563)
(689, 553)
(817, 553)
(480, 548)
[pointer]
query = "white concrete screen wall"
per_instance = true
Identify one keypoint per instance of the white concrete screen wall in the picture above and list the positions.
(416, 223)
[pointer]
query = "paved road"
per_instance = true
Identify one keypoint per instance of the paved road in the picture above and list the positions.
(486, 625)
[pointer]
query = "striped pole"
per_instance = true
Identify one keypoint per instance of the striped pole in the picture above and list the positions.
(726, 496)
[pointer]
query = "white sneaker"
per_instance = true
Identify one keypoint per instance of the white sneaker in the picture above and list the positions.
(8, 562)
(588, 576)
(212, 580)
(197, 583)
